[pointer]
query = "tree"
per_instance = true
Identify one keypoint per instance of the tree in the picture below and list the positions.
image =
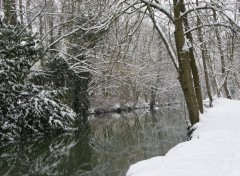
(204, 54)
(181, 17)
(186, 67)
(108, 48)
(10, 12)
(26, 109)
(184, 61)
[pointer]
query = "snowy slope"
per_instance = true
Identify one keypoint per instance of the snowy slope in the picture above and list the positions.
(213, 151)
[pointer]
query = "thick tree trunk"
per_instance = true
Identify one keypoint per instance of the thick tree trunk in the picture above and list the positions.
(196, 80)
(194, 68)
(186, 82)
(185, 71)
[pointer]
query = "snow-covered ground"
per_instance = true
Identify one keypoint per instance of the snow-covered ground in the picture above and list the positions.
(213, 151)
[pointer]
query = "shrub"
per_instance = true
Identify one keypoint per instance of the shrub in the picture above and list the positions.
(26, 109)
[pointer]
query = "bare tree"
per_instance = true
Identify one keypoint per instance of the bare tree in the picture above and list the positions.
(10, 13)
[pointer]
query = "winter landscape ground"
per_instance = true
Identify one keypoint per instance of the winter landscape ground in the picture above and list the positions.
(213, 150)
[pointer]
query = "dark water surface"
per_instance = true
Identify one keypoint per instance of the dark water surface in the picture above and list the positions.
(113, 143)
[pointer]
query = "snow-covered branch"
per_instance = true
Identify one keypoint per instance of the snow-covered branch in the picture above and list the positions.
(165, 40)
(159, 7)
(39, 13)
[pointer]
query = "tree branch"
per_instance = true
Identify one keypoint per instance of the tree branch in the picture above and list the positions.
(45, 3)
(156, 5)
(163, 37)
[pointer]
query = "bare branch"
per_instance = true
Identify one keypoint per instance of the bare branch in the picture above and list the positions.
(208, 25)
(45, 3)
(156, 5)
(163, 37)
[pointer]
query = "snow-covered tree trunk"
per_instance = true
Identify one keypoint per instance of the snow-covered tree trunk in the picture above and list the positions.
(185, 71)
(195, 74)
(204, 58)
(223, 62)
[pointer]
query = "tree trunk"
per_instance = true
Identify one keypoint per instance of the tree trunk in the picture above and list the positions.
(194, 68)
(21, 11)
(212, 76)
(40, 25)
(51, 24)
(223, 65)
(10, 13)
(204, 57)
(185, 71)
(237, 83)
(28, 14)
(153, 98)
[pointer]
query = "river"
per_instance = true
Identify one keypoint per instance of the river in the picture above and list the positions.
(110, 145)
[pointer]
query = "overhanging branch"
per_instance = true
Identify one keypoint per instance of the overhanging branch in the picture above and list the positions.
(208, 25)
(158, 6)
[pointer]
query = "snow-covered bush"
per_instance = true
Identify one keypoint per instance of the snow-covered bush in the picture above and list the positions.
(26, 109)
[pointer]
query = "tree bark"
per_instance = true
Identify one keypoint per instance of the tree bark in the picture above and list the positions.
(28, 13)
(10, 14)
(40, 25)
(185, 71)
(21, 11)
(194, 68)
(223, 64)
(204, 57)
(51, 24)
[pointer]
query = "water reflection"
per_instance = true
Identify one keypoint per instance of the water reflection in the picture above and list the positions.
(113, 143)
(62, 155)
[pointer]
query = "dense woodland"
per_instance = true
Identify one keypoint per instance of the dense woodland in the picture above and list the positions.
(59, 59)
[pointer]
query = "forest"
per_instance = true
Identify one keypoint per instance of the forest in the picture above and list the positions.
(62, 60)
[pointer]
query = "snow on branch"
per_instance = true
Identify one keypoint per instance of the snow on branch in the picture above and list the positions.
(208, 25)
(45, 3)
(216, 8)
(165, 40)
(194, 9)
(159, 7)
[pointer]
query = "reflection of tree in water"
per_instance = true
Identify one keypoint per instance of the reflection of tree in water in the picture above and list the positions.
(61, 155)
(133, 137)
(115, 142)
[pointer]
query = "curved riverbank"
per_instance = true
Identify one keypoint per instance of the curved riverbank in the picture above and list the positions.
(213, 149)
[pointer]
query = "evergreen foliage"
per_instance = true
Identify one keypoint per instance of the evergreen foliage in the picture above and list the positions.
(73, 85)
(26, 109)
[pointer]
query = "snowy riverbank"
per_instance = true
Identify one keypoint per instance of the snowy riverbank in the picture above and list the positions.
(213, 150)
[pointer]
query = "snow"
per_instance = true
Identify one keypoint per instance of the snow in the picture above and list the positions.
(213, 150)
(23, 43)
(186, 45)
